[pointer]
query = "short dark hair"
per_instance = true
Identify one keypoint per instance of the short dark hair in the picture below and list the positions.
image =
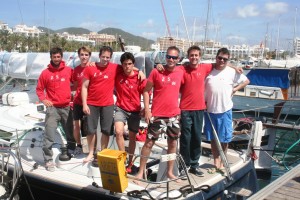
(173, 48)
(194, 47)
(56, 50)
(84, 48)
(224, 51)
(127, 56)
(106, 48)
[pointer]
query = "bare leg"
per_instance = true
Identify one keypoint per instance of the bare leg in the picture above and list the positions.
(146, 150)
(216, 155)
(76, 132)
(119, 129)
(91, 138)
(172, 144)
(132, 144)
(225, 148)
(104, 141)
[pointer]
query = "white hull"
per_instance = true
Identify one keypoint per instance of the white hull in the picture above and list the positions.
(75, 180)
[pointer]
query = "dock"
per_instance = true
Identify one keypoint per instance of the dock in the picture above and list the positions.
(285, 187)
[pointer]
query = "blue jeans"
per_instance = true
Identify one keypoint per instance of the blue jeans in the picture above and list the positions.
(190, 138)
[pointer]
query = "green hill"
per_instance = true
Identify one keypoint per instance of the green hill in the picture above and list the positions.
(129, 38)
(46, 30)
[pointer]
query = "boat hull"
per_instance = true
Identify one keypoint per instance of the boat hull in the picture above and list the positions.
(263, 105)
(47, 189)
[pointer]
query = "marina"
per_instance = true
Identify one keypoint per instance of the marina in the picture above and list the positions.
(263, 159)
(22, 123)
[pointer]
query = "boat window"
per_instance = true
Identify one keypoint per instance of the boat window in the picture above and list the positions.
(242, 90)
(5, 135)
(252, 94)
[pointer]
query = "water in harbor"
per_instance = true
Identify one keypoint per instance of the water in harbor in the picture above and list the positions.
(286, 153)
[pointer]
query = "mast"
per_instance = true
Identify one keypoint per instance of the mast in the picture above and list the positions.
(206, 25)
(295, 32)
(266, 38)
(295, 22)
(20, 10)
(166, 19)
(186, 29)
(194, 25)
(44, 14)
(277, 42)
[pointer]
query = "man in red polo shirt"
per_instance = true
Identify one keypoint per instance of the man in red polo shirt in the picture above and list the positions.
(97, 98)
(128, 90)
(84, 55)
(165, 112)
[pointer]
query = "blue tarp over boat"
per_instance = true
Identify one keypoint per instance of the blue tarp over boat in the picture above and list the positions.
(270, 77)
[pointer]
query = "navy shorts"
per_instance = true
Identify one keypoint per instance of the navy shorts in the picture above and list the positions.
(77, 112)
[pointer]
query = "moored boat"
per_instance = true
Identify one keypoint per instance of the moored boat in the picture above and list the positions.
(22, 123)
(269, 87)
(73, 179)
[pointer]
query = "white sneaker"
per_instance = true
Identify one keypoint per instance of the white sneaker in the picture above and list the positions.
(77, 151)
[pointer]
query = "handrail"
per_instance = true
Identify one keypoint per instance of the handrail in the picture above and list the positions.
(17, 169)
(286, 152)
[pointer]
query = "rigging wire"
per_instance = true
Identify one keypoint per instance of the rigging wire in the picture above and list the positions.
(20, 10)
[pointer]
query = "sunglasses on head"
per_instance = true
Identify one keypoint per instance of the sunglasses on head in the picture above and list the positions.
(173, 57)
(221, 58)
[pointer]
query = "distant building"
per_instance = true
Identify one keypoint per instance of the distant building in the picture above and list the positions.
(27, 30)
(77, 38)
(165, 42)
(155, 47)
(4, 26)
(297, 47)
(100, 38)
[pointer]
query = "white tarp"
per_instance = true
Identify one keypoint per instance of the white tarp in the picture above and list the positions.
(30, 65)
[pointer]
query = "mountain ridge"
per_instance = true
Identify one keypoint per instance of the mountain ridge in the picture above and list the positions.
(129, 39)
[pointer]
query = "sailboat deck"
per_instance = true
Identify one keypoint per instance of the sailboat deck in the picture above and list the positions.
(195, 180)
(84, 178)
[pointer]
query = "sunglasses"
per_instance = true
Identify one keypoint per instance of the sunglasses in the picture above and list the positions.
(221, 58)
(173, 57)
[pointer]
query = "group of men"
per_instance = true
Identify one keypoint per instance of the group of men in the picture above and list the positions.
(94, 97)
